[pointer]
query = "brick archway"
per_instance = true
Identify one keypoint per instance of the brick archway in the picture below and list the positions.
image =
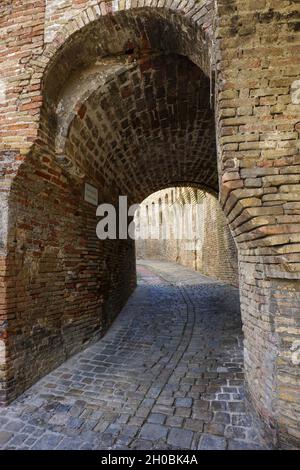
(257, 143)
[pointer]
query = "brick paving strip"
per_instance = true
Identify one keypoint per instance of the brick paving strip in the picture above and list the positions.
(167, 375)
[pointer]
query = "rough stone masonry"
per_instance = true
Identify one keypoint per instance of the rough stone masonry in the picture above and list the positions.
(134, 96)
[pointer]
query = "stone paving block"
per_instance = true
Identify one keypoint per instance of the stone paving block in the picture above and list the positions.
(19, 439)
(193, 424)
(183, 402)
(14, 426)
(215, 428)
(204, 415)
(242, 445)
(221, 417)
(154, 392)
(165, 401)
(142, 444)
(174, 421)
(5, 437)
(235, 432)
(70, 444)
(218, 406)
(184, 412)
(242, 420)
(236, 406)
(181, 438)
(47, 442)
(211, 442)
(130, 430)
(28, 443)
(201, 405)
(136, 421)
(108, 439)
(60, 419)
(156, 418)
(153, 432)
(143, 412)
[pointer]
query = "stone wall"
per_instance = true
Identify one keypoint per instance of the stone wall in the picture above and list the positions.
(211, 250)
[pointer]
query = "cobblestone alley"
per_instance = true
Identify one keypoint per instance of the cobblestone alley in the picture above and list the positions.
(167, 375)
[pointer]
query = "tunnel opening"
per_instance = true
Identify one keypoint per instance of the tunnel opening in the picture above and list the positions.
(186, 225)
(126, 131)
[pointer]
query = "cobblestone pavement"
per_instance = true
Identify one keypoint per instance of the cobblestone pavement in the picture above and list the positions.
(167, 375)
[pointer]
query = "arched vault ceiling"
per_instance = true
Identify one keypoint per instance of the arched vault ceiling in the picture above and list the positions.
(141, 30)
(150, 126)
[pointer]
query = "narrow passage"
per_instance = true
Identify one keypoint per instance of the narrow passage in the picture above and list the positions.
(167, 375)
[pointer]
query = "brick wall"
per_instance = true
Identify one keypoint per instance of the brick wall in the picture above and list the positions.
(211, 251)
(258, 68)
(21, 36)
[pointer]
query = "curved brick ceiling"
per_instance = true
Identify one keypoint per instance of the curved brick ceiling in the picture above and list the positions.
(143, 30)
(149, 127)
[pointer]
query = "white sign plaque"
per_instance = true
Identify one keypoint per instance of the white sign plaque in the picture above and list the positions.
(91, 194)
